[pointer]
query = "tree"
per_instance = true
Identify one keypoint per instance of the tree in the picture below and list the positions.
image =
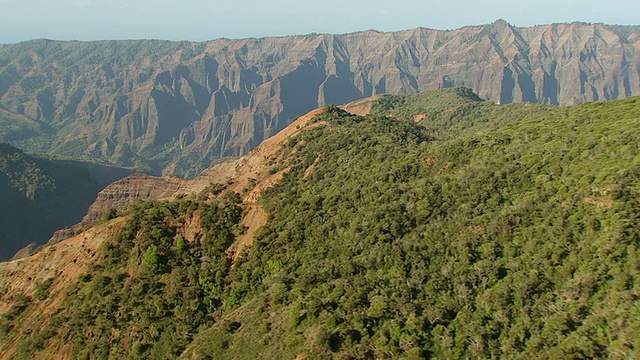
(150, 258)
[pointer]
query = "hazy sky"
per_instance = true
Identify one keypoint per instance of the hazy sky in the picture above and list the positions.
(203, 20)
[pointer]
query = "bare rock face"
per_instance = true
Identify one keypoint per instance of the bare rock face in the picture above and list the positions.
(120, 194)
(133, 188)
(177, 107)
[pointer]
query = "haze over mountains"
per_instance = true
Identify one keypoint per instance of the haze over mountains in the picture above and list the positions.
(176, 107)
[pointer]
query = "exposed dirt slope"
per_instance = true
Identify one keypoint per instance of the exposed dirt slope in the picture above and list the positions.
(237, 173)
(361, 107)
(251, 166)
(60, 264)
(63, 262)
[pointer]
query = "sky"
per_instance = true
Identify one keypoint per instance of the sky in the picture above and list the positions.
(199, 20)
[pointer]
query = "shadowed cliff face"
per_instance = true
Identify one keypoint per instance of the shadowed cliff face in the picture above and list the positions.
(176, 107)
(39, 196)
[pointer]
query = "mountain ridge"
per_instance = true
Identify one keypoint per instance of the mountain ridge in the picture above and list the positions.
(620, 29)
(440, 225)
(177, 107)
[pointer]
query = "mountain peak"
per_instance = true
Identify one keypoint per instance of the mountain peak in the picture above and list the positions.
(500, 23)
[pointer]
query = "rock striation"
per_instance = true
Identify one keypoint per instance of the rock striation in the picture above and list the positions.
(177, 107)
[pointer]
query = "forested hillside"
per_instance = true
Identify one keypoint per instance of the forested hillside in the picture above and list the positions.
(439, 226)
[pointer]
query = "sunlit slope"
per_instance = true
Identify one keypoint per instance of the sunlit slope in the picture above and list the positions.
(505, 231)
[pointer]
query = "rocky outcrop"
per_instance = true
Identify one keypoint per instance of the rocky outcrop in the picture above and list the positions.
(120, 194)
(133, 188)
(175, 108)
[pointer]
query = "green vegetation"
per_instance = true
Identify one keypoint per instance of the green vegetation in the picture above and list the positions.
(455, 112)
(42, 291)
(14, 128)
(517, 238)
(500, 232)
(22, 173)
(152, 290)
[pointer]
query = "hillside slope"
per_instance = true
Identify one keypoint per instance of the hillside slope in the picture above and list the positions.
(177, 107)
(488, 231)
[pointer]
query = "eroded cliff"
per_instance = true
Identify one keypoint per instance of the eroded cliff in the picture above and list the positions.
(177, 107)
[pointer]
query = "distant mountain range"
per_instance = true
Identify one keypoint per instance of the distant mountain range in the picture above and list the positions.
(177, 107)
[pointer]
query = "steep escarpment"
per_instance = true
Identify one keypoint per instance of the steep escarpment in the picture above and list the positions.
(177, 107)
(137, 187)
(118, 195)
